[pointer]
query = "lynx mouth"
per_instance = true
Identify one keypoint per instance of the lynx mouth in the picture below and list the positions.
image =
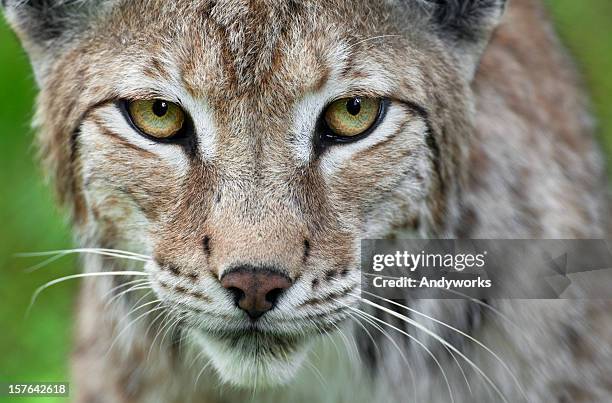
(254, 358)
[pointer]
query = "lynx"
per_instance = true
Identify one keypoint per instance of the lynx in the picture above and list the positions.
(223, 159)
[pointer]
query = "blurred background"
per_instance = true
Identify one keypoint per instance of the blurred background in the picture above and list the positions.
(37, 348)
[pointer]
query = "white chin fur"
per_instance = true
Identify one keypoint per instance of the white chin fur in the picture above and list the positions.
(245, 365)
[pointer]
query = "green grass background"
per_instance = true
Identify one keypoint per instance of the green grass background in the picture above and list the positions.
(36, 348)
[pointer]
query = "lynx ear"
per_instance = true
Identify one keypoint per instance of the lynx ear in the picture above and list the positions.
(466, 26)
(45, 27)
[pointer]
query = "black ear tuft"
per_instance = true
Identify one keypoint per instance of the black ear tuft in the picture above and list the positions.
(467, 20)
(44, 20)
(465, 26)
(46, 26)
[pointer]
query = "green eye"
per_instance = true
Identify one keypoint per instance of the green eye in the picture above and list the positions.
(157, 118)
(350, 117)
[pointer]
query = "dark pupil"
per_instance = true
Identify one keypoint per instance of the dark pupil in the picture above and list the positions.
(160, 108)
(353, 106)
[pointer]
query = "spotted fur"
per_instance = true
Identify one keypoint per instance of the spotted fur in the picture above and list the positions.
(487, 134)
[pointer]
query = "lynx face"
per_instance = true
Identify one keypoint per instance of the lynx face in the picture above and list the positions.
(248, 147)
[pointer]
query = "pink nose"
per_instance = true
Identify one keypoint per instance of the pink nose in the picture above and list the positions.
(255, 290)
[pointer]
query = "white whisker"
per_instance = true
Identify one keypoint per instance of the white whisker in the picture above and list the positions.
(162, 324)
(441, 340)
(331, 338)
(136, 306)
(44, 263)
(350, 350)
(122, 285)
(83, 250)
(169, 322)
(58, 254)
(153, 323)
(411, 337)
(81, 275)
(410, 369)
(137, 287)
(356, 318)
(200, 354)
(317, 373)
(171, 329)
(466, 296)
(196, 357)
(139, 307)
(157, 308)
(482, 345)
(397, 347)
(467, 383)
(200, 373)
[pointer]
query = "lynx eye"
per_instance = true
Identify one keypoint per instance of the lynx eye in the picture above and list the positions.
(348, 118)
(156, 117)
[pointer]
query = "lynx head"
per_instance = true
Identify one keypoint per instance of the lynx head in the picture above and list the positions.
(248, 146)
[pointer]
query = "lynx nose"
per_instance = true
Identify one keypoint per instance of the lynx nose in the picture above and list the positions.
(255, 290)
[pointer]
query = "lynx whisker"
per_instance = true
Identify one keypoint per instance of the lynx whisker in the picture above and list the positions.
(165, 322)
(472, 299)
(467, 383)
(471, 338)
(83, 250)
(123, 285)
(441, 340)
(154, 309)
(356, 318)
(80, 275)
(414, 339)
(138, 307)
(136, 287)
(397, 347)
(151, 324)
(317, 374)
(331, 339)
(365, 329)
(195, 383)
(351, 349)
(143, 297)
(58, 254)
(196, 357)
(139, 285)
(171, 328)
(184, 336)
(489, 307)
(460, 368)
(201, 354)
(44, 263)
